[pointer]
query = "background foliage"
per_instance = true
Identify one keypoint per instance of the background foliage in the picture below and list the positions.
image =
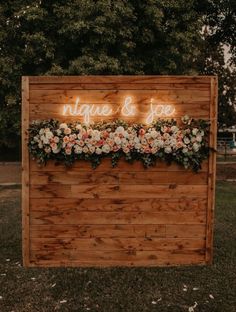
(64, 37)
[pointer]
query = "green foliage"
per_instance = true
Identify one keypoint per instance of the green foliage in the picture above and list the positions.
(219, 34)
(90, 37)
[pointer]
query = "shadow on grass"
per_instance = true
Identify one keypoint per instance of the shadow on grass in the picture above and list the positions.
(213, 288)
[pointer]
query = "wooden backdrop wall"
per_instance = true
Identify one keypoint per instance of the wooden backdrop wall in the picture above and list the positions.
(126, 215)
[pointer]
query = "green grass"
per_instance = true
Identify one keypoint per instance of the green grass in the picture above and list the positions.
(120, 289)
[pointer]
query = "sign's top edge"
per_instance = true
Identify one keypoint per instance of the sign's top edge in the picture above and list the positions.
(120, 79)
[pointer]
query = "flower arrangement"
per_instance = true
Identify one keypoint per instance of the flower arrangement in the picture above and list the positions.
(162, 140)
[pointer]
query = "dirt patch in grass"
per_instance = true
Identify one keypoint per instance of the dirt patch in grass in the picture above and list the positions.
(177, 289)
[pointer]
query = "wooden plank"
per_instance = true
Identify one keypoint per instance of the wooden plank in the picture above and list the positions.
(151, 205)
(117, 243)
(139, 97)
(88, 217)
(119, 79)
(119, 230)
(98, 230)
(117, 258)
(118, 191)
(195, 110)
(120, 86)
(110, 177)
(185, 230)
(25, 170)
(212, 170)
(136, 166)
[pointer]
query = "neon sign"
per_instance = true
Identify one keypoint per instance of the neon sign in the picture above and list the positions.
(127, 109)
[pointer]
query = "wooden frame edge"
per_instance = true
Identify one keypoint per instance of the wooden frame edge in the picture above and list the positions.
(25, 169)
(212, 170)
(87, 79)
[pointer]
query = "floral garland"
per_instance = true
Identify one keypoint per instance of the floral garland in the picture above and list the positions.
(162, 140)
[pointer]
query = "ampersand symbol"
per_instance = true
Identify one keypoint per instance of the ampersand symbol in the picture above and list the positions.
(127, 109)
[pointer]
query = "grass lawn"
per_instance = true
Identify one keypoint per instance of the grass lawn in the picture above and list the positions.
(204, 288)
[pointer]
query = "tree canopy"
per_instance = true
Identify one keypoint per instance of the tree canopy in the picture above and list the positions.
(64, 37)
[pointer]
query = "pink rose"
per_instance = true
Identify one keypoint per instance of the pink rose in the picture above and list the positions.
(142, 131)
(66, 139)
(115, 148)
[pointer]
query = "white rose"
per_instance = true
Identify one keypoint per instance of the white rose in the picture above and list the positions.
(199, 138)
(98, 151)
(85, 149)
(67, 131)
(159, 143)
(137, 146)
(173, 142)
(153, 134)
(40, 145)
(78, 127)
(184, 150)
(49, 135)
(68, 151)
(92, 149)
(168, 150)
(154, 150)
(41, 131)
(126, 134)
(106, 148)
(186, 140)
(45, 140)
(174, 128)
(96, 136)
(117, 140)
(194, 131)
(196, 147)
(78, 149)
(47, 150)
(120, 129)
(63, 126)
(56, 150)
(58, 131)
(126, 150)
(36, 139)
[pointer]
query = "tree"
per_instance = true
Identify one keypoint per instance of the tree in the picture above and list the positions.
(64, 37)
(219, 32)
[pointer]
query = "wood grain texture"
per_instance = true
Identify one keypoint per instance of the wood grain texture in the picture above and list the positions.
(134, 243)
(131, 217)
(151, 205)
(101, 258)
(118, 230)
(114, 178)
(120, 79)
(212, 170)
(120, 86)
(139, 97)
(122, 216)
(99, 230)
(117, 191)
